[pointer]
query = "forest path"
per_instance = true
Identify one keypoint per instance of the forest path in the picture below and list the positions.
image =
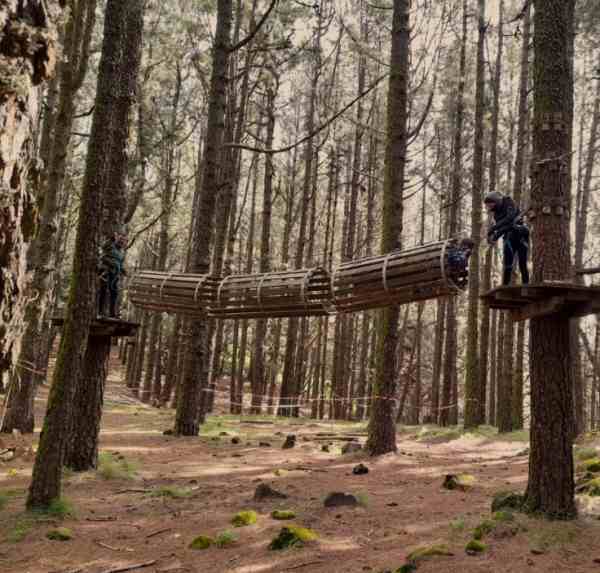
(165, 491)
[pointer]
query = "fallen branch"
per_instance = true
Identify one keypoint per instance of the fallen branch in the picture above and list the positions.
(107, 546)
(131, 491)
(130, 567)
(158, 532)
(303, 565)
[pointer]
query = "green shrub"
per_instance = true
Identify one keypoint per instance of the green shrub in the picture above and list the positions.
(110, 467)
(244, 518)
(292, 536)
(60, 534)
(475, 546)
(170, 491)
(202, 542)
(226, 538)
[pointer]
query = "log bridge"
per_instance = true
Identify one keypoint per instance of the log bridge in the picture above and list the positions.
(434, 270)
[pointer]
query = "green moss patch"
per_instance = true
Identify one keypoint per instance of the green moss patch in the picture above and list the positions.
(590, 465)
(591, 487)
(507, 500)
(60, 534)
(170, 491)
(225, 539)
(202, 542)
(112, 467)
(427, 551)
(485, 527)
(461, 482)
(475, 547)
(244, 518)
(585, 453)
(292, 536)
(283, 514)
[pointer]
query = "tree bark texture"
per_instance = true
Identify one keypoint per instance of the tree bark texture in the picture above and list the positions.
(27, 60)
(187, 422)
(382, 428)
(550, 488)
(100, 175)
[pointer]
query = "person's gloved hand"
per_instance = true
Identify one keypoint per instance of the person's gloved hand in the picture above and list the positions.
(491, 237)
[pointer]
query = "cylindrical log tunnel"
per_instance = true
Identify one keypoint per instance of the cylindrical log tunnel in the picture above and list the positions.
(305, 292)
(177, 293)
(420, 273)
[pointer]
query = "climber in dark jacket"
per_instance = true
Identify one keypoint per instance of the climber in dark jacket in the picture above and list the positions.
(508, 224)
(110, 269)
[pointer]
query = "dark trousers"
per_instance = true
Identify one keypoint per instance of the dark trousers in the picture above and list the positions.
(109, 286)
(516, 245)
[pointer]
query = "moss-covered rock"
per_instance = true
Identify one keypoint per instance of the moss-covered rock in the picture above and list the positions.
(202, 542)
(507, 500)
(244, 518)
(407, 568)
(462, 482)
(60, 534)
(283, 514)
(475, 547)
(427, 551)
(292, 536)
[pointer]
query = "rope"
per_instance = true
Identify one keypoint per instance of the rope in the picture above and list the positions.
(221, 285)
(384, 269)
(160, 290)
(200, 283)
(304, 285)
(259, 291)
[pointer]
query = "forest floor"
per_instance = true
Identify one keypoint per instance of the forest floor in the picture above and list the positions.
(154, 494)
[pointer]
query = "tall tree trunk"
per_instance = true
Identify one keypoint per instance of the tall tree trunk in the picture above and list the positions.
(187, 422)
(516, 400)
(382, 427)
(28, 55)
(484, 347)
(123, 44)
(581, 227)
(472, 366)
(265, 249)
(447, 408)
(47, 471)
(550, 488)
(19, 408)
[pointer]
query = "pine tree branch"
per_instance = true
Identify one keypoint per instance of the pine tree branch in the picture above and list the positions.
(316, 131)
(253, 33)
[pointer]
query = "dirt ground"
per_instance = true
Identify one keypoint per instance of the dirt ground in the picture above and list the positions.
(154, 494)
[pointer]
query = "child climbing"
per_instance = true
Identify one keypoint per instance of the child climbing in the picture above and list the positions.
(110, 269)
(508, 224)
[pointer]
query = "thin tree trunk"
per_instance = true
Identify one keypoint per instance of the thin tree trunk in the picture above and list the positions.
(382, 428)
(472, 366)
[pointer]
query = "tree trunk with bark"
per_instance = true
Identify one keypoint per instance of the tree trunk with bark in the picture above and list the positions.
(550, 487)
(472, 366)
(77, 36)
(27, 60)
(187, 422)
(382, 427)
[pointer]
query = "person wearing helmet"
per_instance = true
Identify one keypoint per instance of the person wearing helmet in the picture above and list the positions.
(110, 269)
(508, 224)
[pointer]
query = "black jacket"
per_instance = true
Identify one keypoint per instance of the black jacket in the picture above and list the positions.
(506, 217)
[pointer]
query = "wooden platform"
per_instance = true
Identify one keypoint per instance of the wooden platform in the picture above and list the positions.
(106, 326)
(536, 300)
